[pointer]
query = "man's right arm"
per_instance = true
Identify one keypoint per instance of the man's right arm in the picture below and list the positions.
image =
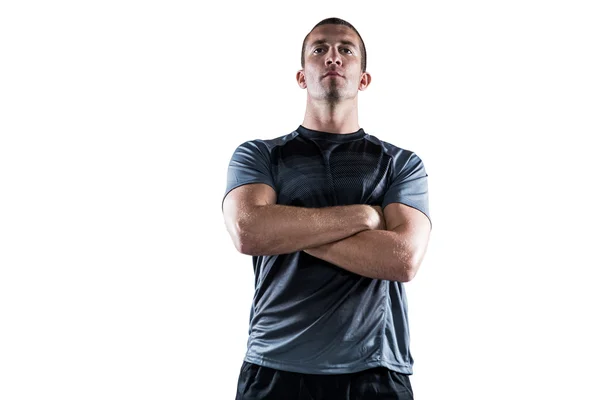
(259, 226)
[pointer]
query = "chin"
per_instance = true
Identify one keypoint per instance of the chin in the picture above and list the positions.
(333, 96)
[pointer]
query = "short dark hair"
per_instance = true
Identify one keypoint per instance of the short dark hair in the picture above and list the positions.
(339, 21)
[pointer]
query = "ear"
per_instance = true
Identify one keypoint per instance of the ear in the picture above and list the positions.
(301, 79)
(365, 81)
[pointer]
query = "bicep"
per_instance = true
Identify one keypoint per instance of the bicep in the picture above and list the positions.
(405, 219)
(413, 228)
(241, 200)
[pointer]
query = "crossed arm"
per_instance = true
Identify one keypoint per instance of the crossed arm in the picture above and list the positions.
(363, 239)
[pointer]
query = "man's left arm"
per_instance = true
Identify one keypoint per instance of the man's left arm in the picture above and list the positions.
(394, 254)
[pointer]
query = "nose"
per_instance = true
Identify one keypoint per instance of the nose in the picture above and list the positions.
(333, 56)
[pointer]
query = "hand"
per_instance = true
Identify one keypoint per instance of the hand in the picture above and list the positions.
(377, 220)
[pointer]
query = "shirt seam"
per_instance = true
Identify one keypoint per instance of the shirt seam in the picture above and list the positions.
(384, 325)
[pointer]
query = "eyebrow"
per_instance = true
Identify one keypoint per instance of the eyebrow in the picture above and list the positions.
(323, 41)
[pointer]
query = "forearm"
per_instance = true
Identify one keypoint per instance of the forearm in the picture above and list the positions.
(377, 254)
(278, 229)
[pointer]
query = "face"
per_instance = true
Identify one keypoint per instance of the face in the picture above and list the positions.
(332, 69)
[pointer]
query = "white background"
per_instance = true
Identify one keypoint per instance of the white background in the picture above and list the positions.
(118, 279)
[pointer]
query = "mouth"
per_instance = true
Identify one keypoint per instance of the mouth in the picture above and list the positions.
(332, 74)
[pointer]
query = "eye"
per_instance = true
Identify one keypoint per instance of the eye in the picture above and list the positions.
(317, 50)
(348, 51)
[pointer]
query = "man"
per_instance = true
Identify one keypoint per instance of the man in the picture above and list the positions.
(336, 220)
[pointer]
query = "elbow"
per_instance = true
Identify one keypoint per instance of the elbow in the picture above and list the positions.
(407, 269)
(243, 240)
(410, 274)
(405, 275)
(410, 255)
(244, 230)
(246, 248)
(410, 263)
(241, 246)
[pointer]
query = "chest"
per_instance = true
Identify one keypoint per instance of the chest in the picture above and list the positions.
(322, 174)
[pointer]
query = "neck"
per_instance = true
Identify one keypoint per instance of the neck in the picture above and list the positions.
(341, 117)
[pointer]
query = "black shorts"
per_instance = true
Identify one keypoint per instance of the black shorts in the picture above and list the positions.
(262, 383)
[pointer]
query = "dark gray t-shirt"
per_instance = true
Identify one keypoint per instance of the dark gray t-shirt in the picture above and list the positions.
(308, 315)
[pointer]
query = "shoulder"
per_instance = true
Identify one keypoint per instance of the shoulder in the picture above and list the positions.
(397, 153)
(269, 144)
(263, 147)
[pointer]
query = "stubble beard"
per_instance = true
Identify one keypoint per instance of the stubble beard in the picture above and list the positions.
(333, 93)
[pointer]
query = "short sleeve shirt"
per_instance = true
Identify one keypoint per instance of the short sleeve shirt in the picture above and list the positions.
(308, 315)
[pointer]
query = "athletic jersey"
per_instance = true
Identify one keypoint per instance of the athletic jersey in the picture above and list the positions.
(308, 315)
